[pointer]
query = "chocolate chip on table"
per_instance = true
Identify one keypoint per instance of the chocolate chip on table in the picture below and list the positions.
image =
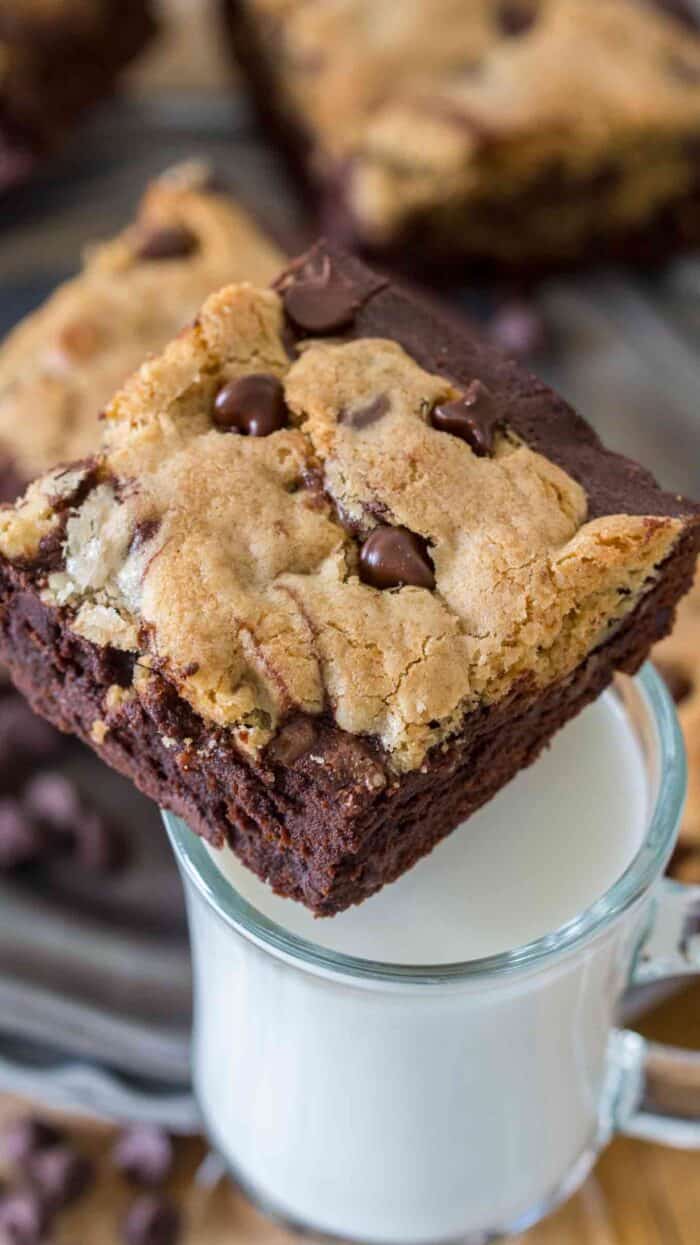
(516, 17)
(60, 1175)
(677, 681)
(320, 300)
(24, 1217)
(167, 242)
(20, 838)
(253, 405)
(392, 557)
(151, 1220)
(53, 799)
(83, 834)
(25, 1137)
(473, 417)
(94, 844)
(517, 328)
(144, 1153)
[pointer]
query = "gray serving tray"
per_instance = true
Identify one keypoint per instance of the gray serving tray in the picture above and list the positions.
(95, 979)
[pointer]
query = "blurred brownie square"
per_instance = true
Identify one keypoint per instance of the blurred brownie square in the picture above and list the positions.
(520, 135)
(338, 571)
(57, 59)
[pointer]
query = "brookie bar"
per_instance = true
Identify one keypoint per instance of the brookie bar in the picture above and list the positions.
(338, 572)
(516, 134)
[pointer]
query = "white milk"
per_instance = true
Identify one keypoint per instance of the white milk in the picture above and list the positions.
(424, 1112)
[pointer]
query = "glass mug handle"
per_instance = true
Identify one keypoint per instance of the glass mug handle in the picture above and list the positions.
(658, 1087)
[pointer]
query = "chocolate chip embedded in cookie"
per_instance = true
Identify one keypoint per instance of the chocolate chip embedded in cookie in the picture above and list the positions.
(253, 405)
(393, 557)
(167, 242)
(320, 300)
(473, 417)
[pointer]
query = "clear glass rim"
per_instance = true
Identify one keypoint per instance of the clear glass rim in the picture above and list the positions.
(195, 861)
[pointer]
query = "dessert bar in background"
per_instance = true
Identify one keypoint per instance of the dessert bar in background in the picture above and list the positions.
(519, 134)
(678, 660)
(61, 365)
(57, 59)
(337, 573)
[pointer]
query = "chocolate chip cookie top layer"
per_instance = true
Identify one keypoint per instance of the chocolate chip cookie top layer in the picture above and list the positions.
(63, 363)
(445, 101)
(372, 567)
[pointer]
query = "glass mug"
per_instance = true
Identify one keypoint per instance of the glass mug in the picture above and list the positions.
(381, 1103)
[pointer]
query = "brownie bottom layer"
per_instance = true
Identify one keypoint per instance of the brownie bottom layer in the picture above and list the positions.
(328, 824)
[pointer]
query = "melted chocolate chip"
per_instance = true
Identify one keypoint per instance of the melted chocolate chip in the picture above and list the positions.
(169, 242)
(363, 416)
(320, 300)
(393, 556)
(252, 405)
(676, 679)
(473, 418)
(151, 1220)
(516, 17)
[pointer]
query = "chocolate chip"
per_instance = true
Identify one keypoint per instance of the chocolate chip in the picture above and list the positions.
(392, 557)
(60, 1175)
(517, 328)
(151, 1220)
(20, 838)
(253, 405)
(54, 800)
(473, 417)
(168, 242)
(363, 416)
(676, 679)
(320, 300)
(26, 1137)
(24, 1218)
(144, 1153)
(516, 17)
